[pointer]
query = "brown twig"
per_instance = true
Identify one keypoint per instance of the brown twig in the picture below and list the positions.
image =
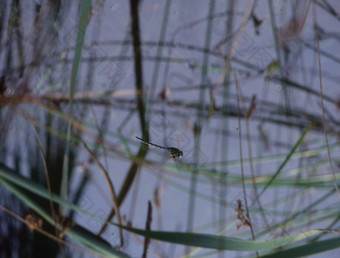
(322, 107)
(147, 228)
(111, 188)
(241, 156)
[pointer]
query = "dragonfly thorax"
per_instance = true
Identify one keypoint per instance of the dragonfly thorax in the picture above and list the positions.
(175, 153)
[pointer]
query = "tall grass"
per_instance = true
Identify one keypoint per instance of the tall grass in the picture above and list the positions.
(260, 135)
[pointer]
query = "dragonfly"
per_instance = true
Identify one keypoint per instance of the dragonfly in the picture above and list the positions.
(174, 152)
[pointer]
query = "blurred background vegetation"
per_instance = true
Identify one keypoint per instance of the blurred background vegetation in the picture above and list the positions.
(235, 85)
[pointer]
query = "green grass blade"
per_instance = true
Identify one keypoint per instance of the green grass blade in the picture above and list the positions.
(84, 16)
(308, 249)
(290, 154)
(221, 242)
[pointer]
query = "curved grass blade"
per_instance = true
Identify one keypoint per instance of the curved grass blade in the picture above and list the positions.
(308, 249)
(220, 242)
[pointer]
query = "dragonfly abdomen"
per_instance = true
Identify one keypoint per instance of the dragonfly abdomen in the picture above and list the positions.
(157, 146)
(149, 143)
